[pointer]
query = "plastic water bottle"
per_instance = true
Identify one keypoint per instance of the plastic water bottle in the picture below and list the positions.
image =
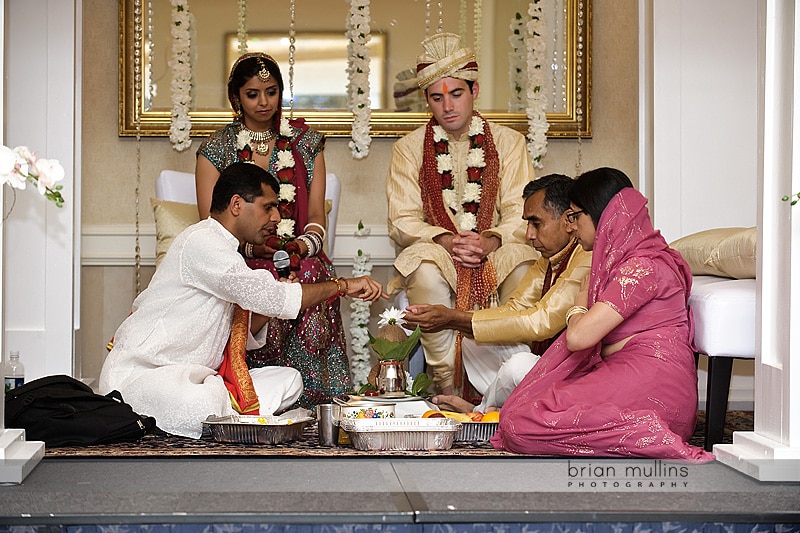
(14, 371)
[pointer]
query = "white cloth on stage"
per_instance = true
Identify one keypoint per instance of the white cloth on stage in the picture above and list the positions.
(495, 369)
(511, 373)
(277, 387)
(167, 352)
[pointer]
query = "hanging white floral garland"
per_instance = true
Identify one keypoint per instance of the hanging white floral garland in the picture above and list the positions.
(360, 360)
(241, 32)
(517, 65)
(537, 99)
(462, 20)
(181, 66)
(358, 34)
(477, 25)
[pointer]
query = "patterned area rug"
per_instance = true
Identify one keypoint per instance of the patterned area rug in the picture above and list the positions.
(161, 444)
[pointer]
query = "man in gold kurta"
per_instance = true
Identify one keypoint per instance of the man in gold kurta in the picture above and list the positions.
(454, 193)
(494, 356)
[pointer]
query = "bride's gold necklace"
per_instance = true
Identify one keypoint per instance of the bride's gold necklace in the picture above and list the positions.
(260, 140)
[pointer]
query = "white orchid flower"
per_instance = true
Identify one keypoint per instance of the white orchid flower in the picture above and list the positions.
(8, 168)
(49, 172)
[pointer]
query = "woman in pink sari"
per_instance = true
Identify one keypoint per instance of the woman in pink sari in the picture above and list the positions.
(621, 380)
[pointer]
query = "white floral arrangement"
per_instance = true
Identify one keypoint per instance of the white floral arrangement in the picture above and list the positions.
(360, 360)
(358, 88)
(241, 31)
(517, 65)
(181, 66)
(537, 99)
(462, 20)
(243, 146)
(477, 25)
(20, 166)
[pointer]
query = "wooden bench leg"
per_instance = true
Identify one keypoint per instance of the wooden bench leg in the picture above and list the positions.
(717, 389)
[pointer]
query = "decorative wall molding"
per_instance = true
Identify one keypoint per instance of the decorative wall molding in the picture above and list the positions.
(114, 245)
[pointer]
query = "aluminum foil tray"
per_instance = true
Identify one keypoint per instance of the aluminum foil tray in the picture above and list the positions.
(476, 431)
(401, 434)
(243, 429)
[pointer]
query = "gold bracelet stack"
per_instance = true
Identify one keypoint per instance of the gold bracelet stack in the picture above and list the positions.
(576, 310)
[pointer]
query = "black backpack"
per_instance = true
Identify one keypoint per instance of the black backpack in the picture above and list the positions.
(62, 411)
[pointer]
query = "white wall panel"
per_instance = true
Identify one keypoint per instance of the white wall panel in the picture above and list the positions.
(704, 133)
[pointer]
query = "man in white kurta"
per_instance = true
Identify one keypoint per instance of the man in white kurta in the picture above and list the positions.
(167, 352)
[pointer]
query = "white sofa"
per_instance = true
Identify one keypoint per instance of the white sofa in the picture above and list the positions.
(724, 312)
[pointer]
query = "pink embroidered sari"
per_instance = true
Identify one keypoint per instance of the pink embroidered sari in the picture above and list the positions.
(640, 401)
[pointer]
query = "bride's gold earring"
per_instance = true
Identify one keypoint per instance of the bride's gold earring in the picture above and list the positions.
(237, 108)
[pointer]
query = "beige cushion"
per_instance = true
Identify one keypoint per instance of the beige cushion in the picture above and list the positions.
(726, 252)
(171, 219)
(174, 217)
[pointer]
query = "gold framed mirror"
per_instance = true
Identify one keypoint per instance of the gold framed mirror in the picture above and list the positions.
(146, 109)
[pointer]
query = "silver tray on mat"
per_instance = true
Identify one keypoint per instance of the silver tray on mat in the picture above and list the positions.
(401, 434)
(476, 431)
(244, 429)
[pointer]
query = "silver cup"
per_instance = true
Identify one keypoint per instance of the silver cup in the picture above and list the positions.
(328, 424)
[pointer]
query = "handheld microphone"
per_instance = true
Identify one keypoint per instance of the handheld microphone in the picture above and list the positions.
(281, 261)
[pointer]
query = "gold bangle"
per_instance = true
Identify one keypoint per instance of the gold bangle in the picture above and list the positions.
(576, 310)
(340, 291)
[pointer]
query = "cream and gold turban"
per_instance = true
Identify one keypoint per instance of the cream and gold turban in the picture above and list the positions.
(444, 57)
